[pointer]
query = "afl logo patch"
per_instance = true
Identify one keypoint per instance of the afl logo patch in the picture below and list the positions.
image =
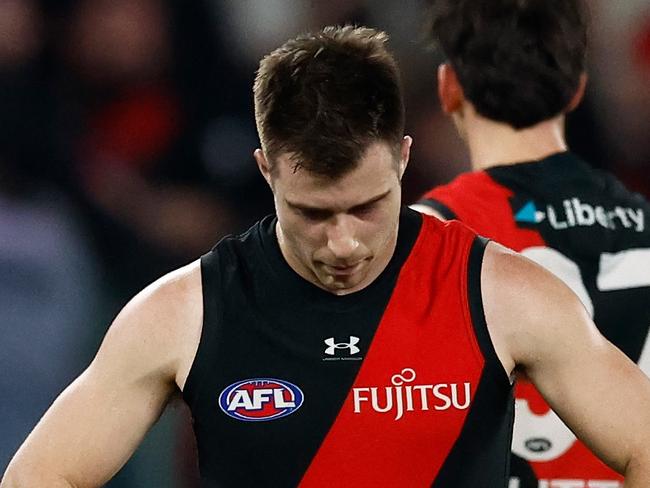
(260, 399)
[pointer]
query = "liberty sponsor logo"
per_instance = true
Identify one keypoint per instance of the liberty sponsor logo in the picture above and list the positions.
(575, 213)
(260, 399)
(342, 351)
(529, 214)
(402, 397)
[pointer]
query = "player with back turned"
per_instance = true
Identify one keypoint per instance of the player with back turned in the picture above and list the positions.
(514, 69)
(346, 340)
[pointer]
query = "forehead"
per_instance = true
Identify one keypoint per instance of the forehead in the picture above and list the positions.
(376, 173)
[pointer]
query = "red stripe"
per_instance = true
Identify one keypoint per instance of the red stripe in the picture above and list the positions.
(483, 204)
(426, 327)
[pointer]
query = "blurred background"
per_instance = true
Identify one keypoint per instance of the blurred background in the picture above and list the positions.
(126, 139)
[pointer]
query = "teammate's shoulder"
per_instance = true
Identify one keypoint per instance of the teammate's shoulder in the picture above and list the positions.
(445, 201)
(461, 181)
(447, 229)
(622, 191)
(610, 185)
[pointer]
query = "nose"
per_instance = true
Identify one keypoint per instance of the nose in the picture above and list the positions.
(341, 240)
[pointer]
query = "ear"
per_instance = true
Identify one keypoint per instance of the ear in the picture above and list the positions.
(405, 154)
(579, 94)
(263, 165)
(450, 92)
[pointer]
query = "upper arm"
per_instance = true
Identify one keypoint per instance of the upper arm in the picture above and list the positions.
(97, 422)
(542, 329)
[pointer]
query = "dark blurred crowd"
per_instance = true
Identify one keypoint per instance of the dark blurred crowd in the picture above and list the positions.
(126, 139)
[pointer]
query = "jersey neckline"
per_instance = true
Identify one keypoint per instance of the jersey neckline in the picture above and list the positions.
(305, 293)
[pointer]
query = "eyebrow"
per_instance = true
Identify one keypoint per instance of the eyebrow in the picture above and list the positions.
(310, 208)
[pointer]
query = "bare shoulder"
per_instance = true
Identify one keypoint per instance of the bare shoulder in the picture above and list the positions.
(160, 326)
(517, 276)
(529, 311)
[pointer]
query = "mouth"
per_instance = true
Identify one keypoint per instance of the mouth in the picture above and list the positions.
(344, 270)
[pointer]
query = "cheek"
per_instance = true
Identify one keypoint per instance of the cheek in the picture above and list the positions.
(383, 228)
(379, 238)
(304, 238)
(371, 234)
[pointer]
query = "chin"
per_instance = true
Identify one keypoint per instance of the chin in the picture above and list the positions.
(343, 287)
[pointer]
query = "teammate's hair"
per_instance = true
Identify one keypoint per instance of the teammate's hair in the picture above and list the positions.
(324, 97)
(518, 61)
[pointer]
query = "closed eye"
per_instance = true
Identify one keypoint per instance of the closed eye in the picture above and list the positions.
(363, 209)
(314, 214)
(321, 214)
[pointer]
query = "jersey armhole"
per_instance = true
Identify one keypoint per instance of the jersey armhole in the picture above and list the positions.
(477, 312)
(209, 286)
(439, 207)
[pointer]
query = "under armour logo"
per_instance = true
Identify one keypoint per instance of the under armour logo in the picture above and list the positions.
(333, 346)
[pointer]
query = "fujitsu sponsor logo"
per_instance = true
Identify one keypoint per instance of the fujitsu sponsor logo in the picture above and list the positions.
(402, 396)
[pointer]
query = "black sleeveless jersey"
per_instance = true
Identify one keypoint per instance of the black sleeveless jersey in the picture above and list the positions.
(394, 385)
(594, 234)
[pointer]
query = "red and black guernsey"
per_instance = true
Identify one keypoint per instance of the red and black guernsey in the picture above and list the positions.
(395, 385)
(583, 225)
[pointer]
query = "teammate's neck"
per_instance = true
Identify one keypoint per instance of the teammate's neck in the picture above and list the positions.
(495, 144)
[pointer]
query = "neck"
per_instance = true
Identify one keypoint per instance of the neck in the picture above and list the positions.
(512, 146)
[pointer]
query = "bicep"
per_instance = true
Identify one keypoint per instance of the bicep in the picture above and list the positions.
(600, 394)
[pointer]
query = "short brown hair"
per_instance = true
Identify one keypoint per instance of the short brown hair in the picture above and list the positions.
(324, 97)
(518, 61)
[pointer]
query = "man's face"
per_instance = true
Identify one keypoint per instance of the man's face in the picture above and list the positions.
(340, 234)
